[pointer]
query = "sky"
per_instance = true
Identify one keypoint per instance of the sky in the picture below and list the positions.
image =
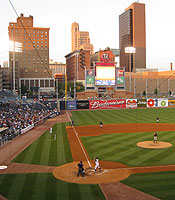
(101, 19)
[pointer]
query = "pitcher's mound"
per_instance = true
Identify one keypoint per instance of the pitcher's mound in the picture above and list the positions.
(68, 173)
(152, 145)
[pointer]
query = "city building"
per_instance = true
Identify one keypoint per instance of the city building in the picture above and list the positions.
(76, 62)
(80, 39)
(151, 82)
(5, 64)
(57, 67)
(5, 78)
(32, 59)
(0, 79)
(132, 34)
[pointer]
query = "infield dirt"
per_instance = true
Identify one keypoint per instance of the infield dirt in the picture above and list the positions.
(111, 191)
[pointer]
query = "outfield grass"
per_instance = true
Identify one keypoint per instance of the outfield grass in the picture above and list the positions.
(113, 147)
(121, 147)
(93, 117)
(158, 184)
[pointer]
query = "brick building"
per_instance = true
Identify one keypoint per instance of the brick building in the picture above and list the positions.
(76, 62)
(33, 60)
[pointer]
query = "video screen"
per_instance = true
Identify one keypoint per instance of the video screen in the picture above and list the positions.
(105, 75)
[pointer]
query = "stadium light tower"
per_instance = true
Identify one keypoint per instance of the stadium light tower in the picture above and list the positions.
(130, 50)
(14, 47)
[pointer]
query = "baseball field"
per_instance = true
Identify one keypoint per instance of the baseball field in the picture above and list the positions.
(47, 167)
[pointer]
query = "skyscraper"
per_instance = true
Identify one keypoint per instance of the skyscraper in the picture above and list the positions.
(132, 34)
(33, 60)
(80, 39)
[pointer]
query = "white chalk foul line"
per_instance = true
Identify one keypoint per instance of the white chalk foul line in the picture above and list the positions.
(102, 172)
(79, 141)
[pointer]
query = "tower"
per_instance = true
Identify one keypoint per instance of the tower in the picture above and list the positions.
(80, 39)
(132, 34)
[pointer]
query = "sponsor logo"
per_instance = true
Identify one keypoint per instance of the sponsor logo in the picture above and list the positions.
(101, 104)
(142, 102)
(163, 103)
(131, 102)
(83, 104)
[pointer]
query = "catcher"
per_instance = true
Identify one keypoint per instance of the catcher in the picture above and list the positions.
(80, 169)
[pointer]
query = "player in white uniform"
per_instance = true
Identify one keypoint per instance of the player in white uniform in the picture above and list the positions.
(97, 164)
(50, 130)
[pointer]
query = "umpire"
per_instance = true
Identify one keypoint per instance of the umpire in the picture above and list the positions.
(80, 169)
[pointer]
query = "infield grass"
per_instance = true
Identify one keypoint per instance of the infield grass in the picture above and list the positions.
(122, 148)
(46, 151)
(113, 147)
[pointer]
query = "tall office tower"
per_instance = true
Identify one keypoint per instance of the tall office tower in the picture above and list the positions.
(33, 60)
(80, 39)
(132, 34)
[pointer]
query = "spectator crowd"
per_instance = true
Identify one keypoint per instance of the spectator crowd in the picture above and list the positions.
(17, 116)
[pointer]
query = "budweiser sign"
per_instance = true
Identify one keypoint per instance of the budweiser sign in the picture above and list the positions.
(107, 104)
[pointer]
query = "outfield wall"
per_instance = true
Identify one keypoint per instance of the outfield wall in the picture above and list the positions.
(117, 103)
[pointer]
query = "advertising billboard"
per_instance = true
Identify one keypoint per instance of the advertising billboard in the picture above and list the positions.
(171, 103)
(120, 78)
(141, 103)
(152, 102)
(71, 105)
(105, 74)
(131, 103)
(82, 104)
(106, 56)
(107, 104)
(90, 78)
(101, 89)
(162, 102)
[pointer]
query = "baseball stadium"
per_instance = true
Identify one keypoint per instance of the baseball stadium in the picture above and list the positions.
(43, 165)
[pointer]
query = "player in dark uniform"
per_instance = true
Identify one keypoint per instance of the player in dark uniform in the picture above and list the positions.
(80, 169)
(155, 137)
(157, 119)
(101, 124)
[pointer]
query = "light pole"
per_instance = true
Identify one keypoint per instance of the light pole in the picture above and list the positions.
(130, 50)
(15, 47)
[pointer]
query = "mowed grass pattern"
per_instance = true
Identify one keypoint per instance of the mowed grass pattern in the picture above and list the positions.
(158, 184)
(48, 151)
(115, 147)
(45, 187)
(122, 148)
(119, 116)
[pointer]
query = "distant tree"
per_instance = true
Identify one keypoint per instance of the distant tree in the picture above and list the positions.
(144, 93)
(80, 87)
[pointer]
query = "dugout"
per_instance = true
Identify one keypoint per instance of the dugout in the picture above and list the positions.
(3, 133)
